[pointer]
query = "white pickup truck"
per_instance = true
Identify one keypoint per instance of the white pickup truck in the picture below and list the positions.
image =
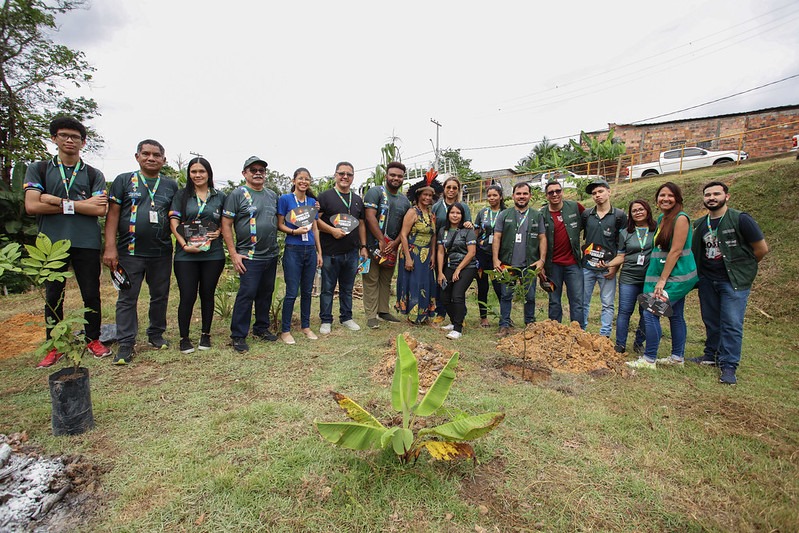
(685, 159)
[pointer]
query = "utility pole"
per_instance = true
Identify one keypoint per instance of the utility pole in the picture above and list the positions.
(438, 127)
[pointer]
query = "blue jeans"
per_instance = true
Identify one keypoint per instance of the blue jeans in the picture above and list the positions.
(627, 305)
(678, 333)
(506, 304)
(607, 294)
(572, 276)
(723, 310)
(299, 270)
(340, 269)
(256, 286)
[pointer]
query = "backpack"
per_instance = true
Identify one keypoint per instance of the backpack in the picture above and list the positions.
(41, 168)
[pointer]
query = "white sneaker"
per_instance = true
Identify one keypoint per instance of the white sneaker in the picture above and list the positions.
(351, 325)
(454, 335)
(670, 361)
(324, 329)
(642, 363)
(448, 327)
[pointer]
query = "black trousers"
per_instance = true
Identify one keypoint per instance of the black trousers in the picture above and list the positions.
(86, 266)
(454, 295)
(197, 277)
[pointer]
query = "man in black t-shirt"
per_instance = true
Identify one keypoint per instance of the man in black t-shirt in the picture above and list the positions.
(137, 237)
(340, 250)
(728, 245)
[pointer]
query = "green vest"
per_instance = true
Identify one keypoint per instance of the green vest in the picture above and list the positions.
(570, 211)
(509, 237)
(739, 257)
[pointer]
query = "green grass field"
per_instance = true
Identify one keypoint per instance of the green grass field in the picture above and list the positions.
(218, 441)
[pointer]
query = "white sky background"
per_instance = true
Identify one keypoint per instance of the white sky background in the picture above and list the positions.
(312, 83)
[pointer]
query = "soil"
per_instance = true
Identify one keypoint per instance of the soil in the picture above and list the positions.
(430, 358)
(547, 346)
(28, 334)
(41, 493)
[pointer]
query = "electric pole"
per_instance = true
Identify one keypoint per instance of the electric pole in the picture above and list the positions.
(438, 127)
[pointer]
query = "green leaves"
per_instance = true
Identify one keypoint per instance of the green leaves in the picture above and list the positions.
(438, 393)
(351, 434)
(405, 385)
(468, 428)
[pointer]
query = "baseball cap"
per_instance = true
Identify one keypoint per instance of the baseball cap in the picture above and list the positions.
(252, 160)
(598, 182)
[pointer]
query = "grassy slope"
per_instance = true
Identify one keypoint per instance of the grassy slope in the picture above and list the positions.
(220, 441)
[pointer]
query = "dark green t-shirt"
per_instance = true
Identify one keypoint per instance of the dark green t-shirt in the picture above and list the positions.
(634, 246)
(456, 246)
(138, 234)
(254, 215)
(83, 231)
(210, 217)
(391, 206)
(440, 209)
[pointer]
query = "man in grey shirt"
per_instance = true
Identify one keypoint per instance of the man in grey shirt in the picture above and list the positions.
(249, 227)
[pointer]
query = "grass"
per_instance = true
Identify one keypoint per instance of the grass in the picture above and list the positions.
(223, 441)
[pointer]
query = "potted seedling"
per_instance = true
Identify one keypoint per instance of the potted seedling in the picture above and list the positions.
(69, 387)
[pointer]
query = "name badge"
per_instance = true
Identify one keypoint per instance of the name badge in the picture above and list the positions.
(305, 237)
(641, 259)
(68, 207)
(153, 217)
(491, 239)
(518, 237)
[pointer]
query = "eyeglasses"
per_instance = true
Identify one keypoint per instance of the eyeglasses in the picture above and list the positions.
(257, 170)
(68, 137)
(345, 174)
(641, 210)
(555, 192)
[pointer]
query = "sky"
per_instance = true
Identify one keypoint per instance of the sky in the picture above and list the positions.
(308, 84)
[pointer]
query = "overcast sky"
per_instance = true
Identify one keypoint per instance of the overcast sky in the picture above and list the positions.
(312, 83)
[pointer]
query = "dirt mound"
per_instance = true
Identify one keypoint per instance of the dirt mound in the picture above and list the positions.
(431, 359)
(549, 346)
(40, 493)
(24, 334)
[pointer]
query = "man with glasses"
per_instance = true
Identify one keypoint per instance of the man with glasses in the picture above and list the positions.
(563, 227)
(385, 210)
(137, 237)
(249, 227)
(68, 196)
(340, 249)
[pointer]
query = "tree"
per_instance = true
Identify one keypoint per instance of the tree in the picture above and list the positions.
(388, 153)
(33, 70)
(461, 166)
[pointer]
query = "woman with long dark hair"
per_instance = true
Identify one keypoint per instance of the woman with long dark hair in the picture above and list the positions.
(671, 274)
(302, 255)
(484, 226)
(194, 218)
(457, 267)
(635, 247)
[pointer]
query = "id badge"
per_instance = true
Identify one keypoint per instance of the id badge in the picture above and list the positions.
(641, 259)
(491, 239)
(305, 237)
(153, 217)
(518, 237)
(68, 207)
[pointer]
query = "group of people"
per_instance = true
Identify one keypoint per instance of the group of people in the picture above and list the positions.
(431, 241)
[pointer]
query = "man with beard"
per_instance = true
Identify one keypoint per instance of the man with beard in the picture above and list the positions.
(385, 209)
(520, 243)
(728, 245)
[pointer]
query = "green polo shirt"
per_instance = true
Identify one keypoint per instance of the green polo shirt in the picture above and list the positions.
(254, 215)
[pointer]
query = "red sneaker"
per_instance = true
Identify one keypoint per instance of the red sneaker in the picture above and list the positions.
(98, 349)
(50, 359)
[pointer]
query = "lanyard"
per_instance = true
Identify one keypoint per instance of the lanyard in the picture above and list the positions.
(305, 202)
(714, 232)
(154, 190)
(202, 203)
(383, 211)
(491, 216)
(642, 242)
(67, 185)
(343, 201)
(253, 232)
(522, 221)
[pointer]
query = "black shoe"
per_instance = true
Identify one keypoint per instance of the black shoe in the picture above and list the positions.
(186, 346)
(619, 349)
(205, 341)
(704, 360)
(728, 376)
(265, 336)
(124, 355)
(388, 317)
(159, 343)
(638, 348)
(373, 323)
(239, 344)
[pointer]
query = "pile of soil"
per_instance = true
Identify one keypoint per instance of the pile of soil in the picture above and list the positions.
(430, 358)
(552, 346)
(25, 332)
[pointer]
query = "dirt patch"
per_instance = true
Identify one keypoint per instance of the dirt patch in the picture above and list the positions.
(41, 493)
(547, 346)
(24, 333)
(430, 358)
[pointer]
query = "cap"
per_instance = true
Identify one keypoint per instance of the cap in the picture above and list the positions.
(252, 160)
(598, 182)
